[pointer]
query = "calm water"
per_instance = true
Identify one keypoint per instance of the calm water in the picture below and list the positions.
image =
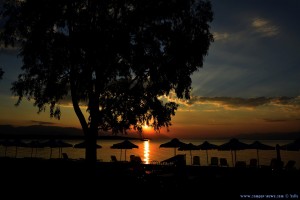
(150, 151)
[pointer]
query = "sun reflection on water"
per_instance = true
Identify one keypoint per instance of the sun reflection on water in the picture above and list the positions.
(146, 151)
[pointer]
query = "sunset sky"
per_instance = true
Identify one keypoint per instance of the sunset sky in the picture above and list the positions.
(250, 81)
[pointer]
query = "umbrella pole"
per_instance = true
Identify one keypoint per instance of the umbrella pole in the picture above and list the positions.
(278, 156)
(191, 157)
(207, 156)
(125, 154)
(232, 158)
(121, 155)
(16, 151)
(257, 158)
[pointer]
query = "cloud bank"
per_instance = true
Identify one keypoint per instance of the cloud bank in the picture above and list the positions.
(238, 102)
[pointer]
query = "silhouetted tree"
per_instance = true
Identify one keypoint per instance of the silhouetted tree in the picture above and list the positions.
(118, 56)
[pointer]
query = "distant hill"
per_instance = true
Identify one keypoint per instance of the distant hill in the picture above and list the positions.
(57, 132)
(48, 132)
(39, 131)
(270, 136)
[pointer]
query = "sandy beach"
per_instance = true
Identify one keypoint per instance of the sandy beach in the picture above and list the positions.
(70, 179)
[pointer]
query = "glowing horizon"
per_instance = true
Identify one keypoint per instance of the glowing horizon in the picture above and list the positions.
(249, 82)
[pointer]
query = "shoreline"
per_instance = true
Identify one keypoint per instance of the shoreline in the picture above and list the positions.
(166, 180)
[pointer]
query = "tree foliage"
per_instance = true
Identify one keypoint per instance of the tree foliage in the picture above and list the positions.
(118, 56)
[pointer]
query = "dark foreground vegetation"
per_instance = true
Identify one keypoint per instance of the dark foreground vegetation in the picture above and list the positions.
(67, 179)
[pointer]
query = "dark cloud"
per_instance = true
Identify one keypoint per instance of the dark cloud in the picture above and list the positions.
(245, 102)
(265, 27)
(280, 120)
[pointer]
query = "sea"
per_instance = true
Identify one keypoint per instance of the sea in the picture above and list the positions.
(151, 152)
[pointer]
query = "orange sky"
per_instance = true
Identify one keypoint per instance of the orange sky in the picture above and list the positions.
(249, 82)
(214, 117)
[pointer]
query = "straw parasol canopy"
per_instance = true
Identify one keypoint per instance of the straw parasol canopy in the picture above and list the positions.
(35, 144)
(259, 146)
(56, 144)
(7, 143)
(207, 146)
(16, 143)
(126, 144)
(82, 145)
(19, 143)
(233, 145)
(189, 147)
(174, 143)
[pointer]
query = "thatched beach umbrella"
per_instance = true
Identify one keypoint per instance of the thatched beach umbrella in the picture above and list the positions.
(259, 146)
(61, 144)
(189, 147)
(233, 145)
(19, 143)
(56, 144)
(35, 144)
(174, 143)
(7, 143)
(13, 143)
(126, 144)
(82, 145)
(207, 146)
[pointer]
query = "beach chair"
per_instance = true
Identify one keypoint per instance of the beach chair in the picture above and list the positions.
(132, 158)
(179, 159)
(136, 166)
(253, 163)
(135, 159)
(154, 162)
(223, 162)
(65, 156)
(196, 160)
(138, 159)
(113, 158)
(214, 161)
(290, 165)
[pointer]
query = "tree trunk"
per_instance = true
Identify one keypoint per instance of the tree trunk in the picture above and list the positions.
(92, 133)
(91, 141)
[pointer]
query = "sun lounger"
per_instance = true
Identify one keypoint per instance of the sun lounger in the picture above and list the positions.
(253, 163)
(65, 156)
(290, 165)
(196, 160)
(179, 159)
(214, 161)
(135, 159)
(223, 162)
(113, 158)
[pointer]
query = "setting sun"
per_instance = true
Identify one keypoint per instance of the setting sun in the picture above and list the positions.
(146, 127)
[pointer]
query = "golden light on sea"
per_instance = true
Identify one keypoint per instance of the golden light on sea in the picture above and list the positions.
(146, 151)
